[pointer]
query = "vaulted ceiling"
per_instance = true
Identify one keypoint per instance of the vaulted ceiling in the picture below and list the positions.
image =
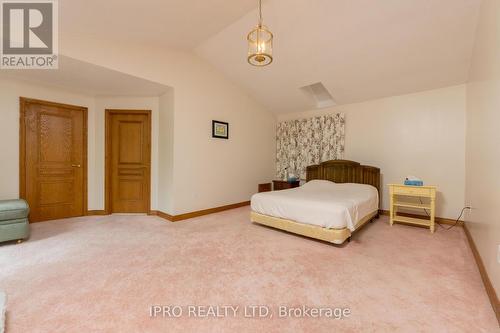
(165, 23)
(358, 49)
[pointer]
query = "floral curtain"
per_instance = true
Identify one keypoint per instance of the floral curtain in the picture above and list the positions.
(304, 142)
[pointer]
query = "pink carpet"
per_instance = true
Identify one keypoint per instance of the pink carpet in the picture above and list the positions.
(102, 274)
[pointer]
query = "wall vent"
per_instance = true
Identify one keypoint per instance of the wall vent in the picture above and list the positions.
(319, 94)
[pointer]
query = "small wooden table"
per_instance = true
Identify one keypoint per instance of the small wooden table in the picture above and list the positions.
(398, 193)
(266, 187)
(283, 184)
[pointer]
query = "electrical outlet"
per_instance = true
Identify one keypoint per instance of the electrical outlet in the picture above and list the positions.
(498, 254)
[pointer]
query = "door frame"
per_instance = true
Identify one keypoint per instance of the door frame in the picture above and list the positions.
(107, 153)
(23, 102)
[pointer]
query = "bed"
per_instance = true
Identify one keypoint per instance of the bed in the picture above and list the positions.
(338, 199)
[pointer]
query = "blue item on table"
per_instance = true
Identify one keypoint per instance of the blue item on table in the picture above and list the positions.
(414, 182)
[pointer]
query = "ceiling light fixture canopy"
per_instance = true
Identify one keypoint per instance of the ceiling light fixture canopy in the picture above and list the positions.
(260, 44)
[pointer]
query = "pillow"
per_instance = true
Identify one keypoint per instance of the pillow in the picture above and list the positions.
(318, 183)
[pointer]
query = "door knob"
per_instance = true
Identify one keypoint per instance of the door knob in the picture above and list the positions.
(76, 165)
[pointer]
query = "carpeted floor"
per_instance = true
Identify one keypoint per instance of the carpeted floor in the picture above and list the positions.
(103, 274)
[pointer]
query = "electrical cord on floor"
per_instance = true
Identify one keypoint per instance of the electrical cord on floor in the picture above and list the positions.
(456, 221)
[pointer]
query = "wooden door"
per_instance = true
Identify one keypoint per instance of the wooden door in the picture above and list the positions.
(128, 161)
(53, 159)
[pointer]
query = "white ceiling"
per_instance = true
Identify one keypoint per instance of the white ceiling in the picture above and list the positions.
(89, 79)
(164, 23)
(358, 49)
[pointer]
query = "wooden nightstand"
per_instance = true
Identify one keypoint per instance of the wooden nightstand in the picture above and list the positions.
(266, 187)
(284, 185)
(398, 193)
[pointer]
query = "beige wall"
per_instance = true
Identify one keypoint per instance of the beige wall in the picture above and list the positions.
(421, 134)
(483, 140)
(166, 153)
(212, 172)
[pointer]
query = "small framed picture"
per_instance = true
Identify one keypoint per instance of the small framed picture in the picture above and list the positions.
(220, 129)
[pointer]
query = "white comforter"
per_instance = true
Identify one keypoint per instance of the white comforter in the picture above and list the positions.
(320, 202)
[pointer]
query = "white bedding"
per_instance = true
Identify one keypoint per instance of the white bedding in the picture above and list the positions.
(320, 202)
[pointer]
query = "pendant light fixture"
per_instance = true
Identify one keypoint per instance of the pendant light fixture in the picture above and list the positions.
(260, 44)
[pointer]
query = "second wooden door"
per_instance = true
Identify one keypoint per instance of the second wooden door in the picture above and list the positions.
(128, 161)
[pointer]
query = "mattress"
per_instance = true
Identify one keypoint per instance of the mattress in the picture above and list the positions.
(321, 203)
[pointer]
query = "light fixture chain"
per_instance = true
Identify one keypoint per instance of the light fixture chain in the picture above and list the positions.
(260, 12)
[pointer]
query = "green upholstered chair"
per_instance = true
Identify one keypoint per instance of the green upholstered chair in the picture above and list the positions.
(14, 224)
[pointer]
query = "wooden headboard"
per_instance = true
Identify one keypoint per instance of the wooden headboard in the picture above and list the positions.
(343, 171)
